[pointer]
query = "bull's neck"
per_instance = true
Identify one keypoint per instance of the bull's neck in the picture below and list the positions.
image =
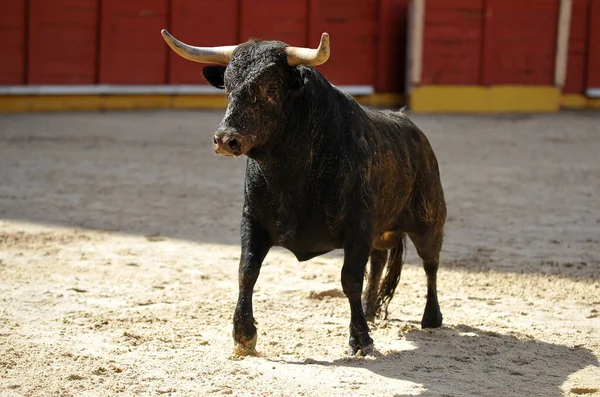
(310, 132)
(299, 144)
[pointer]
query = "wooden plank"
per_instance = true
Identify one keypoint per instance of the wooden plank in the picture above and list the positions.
(577, 53)
(63, 38)
(593, 66)
(353, 28)
(452, 42)
(391, 58)
(285, 21)
(131, 48)
(218, 27)
(12, 42)
(520, 42)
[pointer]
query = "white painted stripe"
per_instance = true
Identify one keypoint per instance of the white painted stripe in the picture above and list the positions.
(109, 89)
(357, 89)
(593, 92)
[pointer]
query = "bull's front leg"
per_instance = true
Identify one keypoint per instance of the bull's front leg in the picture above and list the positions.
(255, 246)
(356, 255)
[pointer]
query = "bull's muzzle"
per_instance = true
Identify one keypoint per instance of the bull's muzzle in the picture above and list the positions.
(228, 143)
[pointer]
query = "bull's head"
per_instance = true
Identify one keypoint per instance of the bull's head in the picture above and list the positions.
(261, 79)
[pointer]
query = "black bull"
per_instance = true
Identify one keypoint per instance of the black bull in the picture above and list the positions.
(323, 173)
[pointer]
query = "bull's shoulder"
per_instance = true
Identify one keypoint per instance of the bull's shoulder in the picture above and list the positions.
(396, 118)
(400, 123)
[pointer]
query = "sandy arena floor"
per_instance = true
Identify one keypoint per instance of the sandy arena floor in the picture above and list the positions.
(119, 250)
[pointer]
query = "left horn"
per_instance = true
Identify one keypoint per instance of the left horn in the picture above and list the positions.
(220, 55)
(308, 56)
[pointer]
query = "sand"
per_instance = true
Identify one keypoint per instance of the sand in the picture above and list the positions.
(119, 245)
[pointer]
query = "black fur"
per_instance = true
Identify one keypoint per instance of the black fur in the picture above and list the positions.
(324, 173)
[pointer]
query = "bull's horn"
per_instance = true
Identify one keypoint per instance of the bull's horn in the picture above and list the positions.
(221, 55)
(308, 56)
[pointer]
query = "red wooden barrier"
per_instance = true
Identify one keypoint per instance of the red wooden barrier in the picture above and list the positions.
(520, 42)
(131, 50)
(391, 58)
(62, 41)
(353, 27)
(453, 42)
(285, 21)
(471, 42)
(201, 23)
(12, 42)
(593, 66)
(577, 53)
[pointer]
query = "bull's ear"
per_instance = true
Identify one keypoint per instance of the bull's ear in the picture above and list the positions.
(215, 75)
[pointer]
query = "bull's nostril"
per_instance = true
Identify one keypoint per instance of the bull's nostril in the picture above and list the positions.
(233, 144)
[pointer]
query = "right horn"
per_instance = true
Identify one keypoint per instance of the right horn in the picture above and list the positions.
(220, 55)
(308, 56)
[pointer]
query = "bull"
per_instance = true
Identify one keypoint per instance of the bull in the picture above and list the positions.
(323, 173)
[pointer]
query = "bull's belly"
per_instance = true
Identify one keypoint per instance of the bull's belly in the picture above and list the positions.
(308, 248)
(307, 243)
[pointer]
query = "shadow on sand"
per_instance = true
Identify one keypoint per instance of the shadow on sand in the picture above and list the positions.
(466, 361)
(154, 173)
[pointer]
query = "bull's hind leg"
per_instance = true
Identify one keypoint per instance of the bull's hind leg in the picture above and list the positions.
(255, 246)
(428, 247)
(378, 259)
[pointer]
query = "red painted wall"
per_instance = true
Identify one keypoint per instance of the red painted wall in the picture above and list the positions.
(202, 23)
(593, 65)
(12, 42)
(471, 42)
(578, 48)
(353, 27)
(131, 48)
(285, 21)
(520, 42)
(453, 42)
(63, 41)
(486, 42)
(391, 57)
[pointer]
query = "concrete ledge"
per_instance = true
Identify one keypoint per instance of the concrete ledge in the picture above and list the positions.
(382, 100)
(122, 89)
(479, 99)
(576, 101)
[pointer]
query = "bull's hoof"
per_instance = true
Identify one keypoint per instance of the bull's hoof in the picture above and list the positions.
(360, 349)
(246, 347)
(432, 320)
(357, 351)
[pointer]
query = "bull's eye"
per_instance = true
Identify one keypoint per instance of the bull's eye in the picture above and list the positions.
(272, 89)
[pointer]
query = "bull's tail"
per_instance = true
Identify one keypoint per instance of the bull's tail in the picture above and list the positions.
(392, 278)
